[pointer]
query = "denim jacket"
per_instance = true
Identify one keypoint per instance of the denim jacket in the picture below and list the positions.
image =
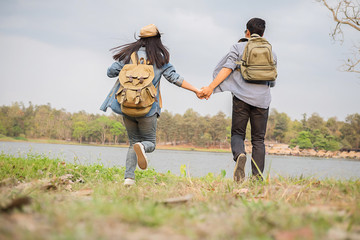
(168, 71)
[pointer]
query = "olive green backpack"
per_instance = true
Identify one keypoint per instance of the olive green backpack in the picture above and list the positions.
(137, 93)
(257, 62)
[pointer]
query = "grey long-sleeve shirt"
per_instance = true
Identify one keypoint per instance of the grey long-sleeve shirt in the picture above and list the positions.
(257, 95)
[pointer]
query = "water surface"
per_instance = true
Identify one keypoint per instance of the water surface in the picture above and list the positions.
(198, 163)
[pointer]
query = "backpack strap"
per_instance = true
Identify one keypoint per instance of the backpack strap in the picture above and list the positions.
(147, 62)
(158, 89)
(160, 99)
(243, 40)
(133, 58)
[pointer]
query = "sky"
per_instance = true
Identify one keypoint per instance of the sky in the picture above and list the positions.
(57, 52)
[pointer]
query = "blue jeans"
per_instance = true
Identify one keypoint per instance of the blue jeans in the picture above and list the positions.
(143, 130)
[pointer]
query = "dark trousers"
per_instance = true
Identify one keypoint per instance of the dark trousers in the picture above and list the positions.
(241, 114)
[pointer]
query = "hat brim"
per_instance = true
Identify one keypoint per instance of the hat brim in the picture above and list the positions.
(145, 36)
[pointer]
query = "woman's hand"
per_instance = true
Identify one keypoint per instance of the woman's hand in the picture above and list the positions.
(207, 91)
(199, 93)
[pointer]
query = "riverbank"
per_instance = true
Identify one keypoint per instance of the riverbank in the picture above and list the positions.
(271, 148)
(283, 149)
(41, 198)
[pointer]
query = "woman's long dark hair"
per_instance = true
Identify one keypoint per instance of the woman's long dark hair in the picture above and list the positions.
(156, 52)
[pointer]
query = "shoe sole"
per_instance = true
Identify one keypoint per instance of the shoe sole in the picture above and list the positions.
(240, 168)
(129, 184)
(141, 159)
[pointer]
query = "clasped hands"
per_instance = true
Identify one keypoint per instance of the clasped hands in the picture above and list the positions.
(204, 92)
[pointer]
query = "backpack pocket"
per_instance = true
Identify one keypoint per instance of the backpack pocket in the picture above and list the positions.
(136, 102)
(260, 73)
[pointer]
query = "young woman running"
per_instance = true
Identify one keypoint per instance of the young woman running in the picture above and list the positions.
(142, 130)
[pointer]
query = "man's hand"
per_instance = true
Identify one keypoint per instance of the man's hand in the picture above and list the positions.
(207, 91)
(200, 94)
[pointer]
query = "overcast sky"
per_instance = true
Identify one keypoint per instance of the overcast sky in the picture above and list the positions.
(57, 52)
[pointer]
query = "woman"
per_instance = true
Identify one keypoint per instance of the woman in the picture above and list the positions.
(142, 130)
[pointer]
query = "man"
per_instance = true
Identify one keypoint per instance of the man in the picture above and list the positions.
(250, 101)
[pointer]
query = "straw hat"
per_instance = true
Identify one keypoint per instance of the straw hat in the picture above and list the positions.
(149, 31)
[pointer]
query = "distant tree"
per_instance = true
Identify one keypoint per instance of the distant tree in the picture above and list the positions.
(270, 127)
(294, 128)
(304, 122)
(29, 113)
(117, 129)
(315, 122)
(80, 129)
(203, 136)
(351, 130)
(303, 140)
(316, 140)
(99, 128)
(319, 141)
(15, 117)
(204, 140)
(179, 134)
(334, 126)
(166, 126)
(228, 133)
(346, 13)
(218, 128)
(2, 129)
(189, 125)
(332, 143)
(281, 126)
(43, 121)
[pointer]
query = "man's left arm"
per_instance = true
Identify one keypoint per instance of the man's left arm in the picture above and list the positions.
(227, 69)
(222, 75)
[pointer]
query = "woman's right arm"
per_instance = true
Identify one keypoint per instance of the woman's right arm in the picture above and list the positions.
(172, 76)
(114, 69)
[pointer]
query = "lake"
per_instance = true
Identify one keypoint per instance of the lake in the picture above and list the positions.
(198, 163)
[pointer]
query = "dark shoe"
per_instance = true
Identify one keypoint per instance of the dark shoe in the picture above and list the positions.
(141, 156)
(239, 171)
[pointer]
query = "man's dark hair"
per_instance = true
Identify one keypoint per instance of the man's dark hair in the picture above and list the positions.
(256, 25)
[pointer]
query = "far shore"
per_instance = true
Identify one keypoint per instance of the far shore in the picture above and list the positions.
(271, 148)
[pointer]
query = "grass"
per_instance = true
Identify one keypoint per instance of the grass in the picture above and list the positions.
(70, 201)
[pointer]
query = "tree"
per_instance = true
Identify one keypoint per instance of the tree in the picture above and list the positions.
(334, 126)
(166, 126)
(116, 129)
(281, 126)
(346, 13)
(189, 125)
(218, 128)
(315, 122)
(80, 129)
(99, 128)
(2, 129)
(303, 140)
(351, 130)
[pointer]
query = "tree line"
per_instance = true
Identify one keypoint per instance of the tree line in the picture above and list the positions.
(43, 121)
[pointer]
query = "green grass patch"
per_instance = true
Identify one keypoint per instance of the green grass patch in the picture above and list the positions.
(71, 201)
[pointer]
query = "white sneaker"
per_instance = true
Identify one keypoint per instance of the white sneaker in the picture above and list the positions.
(129, 182)
(141, 156)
